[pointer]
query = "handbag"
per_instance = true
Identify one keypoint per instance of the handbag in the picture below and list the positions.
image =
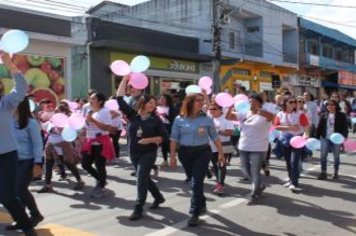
(227, 147)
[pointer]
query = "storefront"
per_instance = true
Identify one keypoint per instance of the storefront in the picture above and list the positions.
(167, 75)
(254, 76)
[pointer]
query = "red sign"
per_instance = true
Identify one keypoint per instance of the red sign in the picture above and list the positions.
(347, 78)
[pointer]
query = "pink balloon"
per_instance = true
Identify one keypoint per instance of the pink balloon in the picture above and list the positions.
(205, 82)
(297, 142)
(240, 97)
(60, 120)
(138, 80)
(73, 105)
(112, 105)
(350, 145)
(123, 132)
(208, 91)
(76, 121)
(120, 67)
(224, 100)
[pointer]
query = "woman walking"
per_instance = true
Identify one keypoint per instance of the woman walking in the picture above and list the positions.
(146, 131)
(8, 148)
(333, 120)
(291, 123)
(98, 146)
(192, 130)
(28, 135)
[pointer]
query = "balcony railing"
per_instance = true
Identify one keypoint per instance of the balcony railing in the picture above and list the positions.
(328, 63)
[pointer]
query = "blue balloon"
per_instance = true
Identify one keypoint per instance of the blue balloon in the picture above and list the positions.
(337, 138)
(242, 107)
(140, 64)
(353, 120)
(14, 41)
(192, 89)
(313, 144)
(274, 134)
(69, 134)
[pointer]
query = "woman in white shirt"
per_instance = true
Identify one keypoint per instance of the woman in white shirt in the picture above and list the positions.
(225, 129)
(98, 147)
(253, 143)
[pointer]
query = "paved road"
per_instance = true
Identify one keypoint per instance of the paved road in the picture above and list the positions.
(323, 207)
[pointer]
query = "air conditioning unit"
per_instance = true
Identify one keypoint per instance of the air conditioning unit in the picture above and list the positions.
(225, 20)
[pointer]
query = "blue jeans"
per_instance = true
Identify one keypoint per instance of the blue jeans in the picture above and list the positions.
(8, 174)
(143, 164)
(24, 177)
(278, 149)
(327, 145)
(292, 157)
(195, 161)
(251, 162)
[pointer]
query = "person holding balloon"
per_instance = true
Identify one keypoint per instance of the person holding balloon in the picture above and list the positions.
(146, 132)
(8, 148)
(332, 131)
(61, 152)
(29, 143)
(98, 146)
(292, 122)
(192, 130)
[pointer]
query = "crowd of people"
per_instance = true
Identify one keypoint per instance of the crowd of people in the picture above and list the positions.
(198, 131)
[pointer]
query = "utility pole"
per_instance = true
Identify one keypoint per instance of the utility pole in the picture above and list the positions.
(216, 30)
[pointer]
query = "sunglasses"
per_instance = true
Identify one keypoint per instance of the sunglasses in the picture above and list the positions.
(291, 102)
(212, 109)
(300, 101)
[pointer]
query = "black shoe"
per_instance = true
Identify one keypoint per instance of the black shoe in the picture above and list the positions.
(156, 203)
(193, 221)
(30, 232)
(322, 176)
(13, 226)
(35, 179)
(136, 215)
(36, 219)
(187, 180)
(46, 189)
(252, 199)
(203, 210)
(335, 176)
(133, 174)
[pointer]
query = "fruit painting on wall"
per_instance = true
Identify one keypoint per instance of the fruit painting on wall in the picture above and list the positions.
(44, 76)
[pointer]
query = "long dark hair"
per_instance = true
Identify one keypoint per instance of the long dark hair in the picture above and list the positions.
(24, 113)
(169, 100)
(285, 101)
(144, 99)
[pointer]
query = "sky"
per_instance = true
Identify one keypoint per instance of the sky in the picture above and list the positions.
(342, 19)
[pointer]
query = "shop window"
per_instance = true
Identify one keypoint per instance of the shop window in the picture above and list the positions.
(266, 74)
(232, 40)
(239, 71)
(327, 52)
(253, 29)
(313, 48)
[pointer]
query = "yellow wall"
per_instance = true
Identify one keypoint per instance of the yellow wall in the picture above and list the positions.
(228, 77)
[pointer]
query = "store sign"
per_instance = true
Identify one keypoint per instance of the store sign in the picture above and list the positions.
(265, 86)
(184, 67)
(347, 78)
(159, 63)
(314, 60)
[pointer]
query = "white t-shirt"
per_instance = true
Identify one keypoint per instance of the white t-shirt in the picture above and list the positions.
(102, 116)
(254, 132)
(330, 125)
(54, 137)
(221, 124)
(86, 108)
(117, 122)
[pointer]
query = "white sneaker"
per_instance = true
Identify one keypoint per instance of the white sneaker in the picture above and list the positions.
(294, 188)
(287, 185)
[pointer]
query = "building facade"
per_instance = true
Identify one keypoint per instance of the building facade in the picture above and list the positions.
(327, 60)
(47, 61)
(262, 36)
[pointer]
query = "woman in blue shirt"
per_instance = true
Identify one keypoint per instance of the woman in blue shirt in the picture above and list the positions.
(192, 130)
(8, 147)
(28, 135)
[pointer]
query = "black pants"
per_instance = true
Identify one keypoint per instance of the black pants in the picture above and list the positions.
(100, 164)
(8, 198)
(24, 177)
(115, 141)
(49, 169)
(220, 171)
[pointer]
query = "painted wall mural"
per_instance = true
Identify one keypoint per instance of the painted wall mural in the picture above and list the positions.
(44, 75)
